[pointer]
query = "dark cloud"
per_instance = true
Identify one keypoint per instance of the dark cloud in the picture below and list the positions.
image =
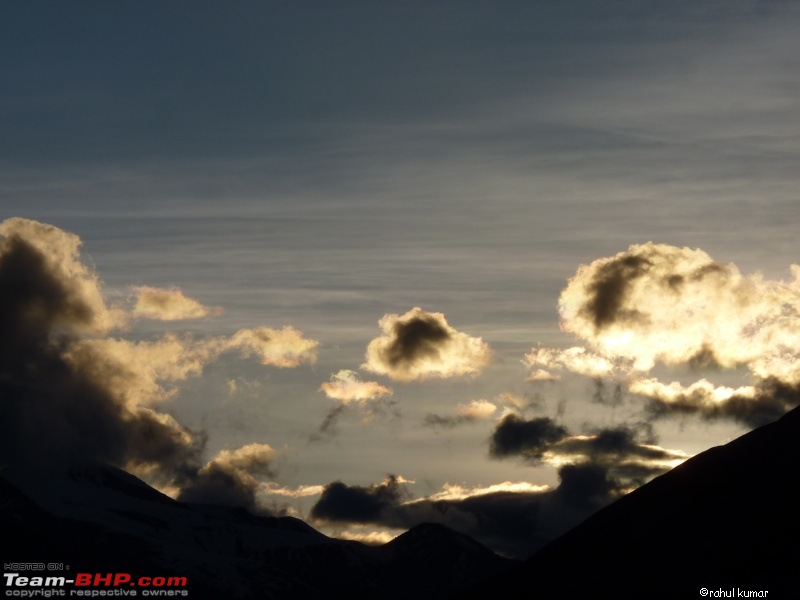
(415, 339)
(510, 522)
(626, 452)
(601, 395)
(514, 435)
(229, 478)
(608, 288)
(48, 304)
(327, 429)
(435, 421)
(769, 400)
(357, 504)
(71, 395)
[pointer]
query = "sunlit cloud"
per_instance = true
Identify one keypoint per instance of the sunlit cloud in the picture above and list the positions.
(168, 305)
(138, 371)
(542, 375)
(577, 360)
(420, 344)
(656, 303)
(74, 300)
(371, 538)
(346, 386)
(272, 488)
(452, 491)
(477, 409)
(284, 347)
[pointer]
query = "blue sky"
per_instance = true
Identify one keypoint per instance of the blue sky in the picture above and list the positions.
(322, 164)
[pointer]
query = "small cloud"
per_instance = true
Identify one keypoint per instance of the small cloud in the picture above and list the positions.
(303, 491)
(284, 347)
(419, 345)
(371, 538)
(466, 413)
(168, 305)
(477, 409)
(514, 435)
(542, 375)
(451, 491)
(346, 386)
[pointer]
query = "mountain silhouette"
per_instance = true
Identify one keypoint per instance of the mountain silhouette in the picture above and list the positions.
(99, 519)
(726, 521)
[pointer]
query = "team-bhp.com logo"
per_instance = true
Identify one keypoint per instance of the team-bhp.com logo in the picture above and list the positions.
(93, 585)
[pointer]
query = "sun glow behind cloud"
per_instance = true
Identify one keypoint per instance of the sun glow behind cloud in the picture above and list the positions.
(658, 304)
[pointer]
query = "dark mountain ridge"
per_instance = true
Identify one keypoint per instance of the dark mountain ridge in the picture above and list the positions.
(98, 518)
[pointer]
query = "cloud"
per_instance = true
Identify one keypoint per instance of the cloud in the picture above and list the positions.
(514, 519)
(371, 538)
(514, 435)
(229, 477)
(51, 286)
(656, 303)
(65, 383)
(419, 345)
(466, 413)
(755, 405)
(451, 491)
(327, 428)
(168, 305)
(347, 387)
(358, 504)
(284, 347)
(273, 489)
(577, 360)
(51, 395)
(136, 371)
(627, 453)
(619, 450)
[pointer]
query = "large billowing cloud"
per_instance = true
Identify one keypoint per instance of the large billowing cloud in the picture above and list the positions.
(420, 344)
(656, 303)
(65, 383)
(50, 395)
(168, 305)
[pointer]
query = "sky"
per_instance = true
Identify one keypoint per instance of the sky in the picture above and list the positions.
(372, 264)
